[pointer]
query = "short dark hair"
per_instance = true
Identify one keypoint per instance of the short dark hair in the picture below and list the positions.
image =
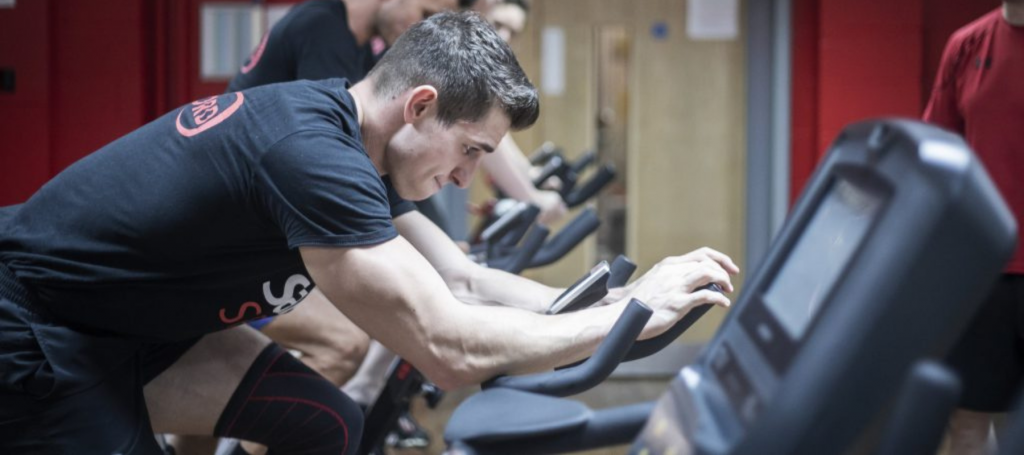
(472, 68)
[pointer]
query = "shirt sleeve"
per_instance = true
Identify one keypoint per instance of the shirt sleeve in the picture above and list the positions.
(943, 106)
(321, 189)
(326, 49)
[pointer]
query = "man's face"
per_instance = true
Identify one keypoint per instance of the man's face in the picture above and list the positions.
(424, 155)
(508, 20)
(397, 16)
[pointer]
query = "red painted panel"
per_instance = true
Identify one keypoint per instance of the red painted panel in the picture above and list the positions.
(154, 27)
(870, 57)
(181, 50)
(804, 108)
(852, 60)
(99, 92)
(24, 114)
(24, 156)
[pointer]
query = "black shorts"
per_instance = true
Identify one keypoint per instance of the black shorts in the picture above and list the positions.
(66, 391)
(989, 356)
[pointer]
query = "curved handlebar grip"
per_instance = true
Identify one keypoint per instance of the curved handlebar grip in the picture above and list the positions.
(590, 373)
(503, 224)
(524, 253)
(647, 347)
(582, 162)
(571, 235)
(622, 268)
(618, 274)
(602, 178)
(520, 226)
(552, 167)
(569, 180)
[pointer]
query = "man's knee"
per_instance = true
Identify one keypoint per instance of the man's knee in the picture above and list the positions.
(286, 406)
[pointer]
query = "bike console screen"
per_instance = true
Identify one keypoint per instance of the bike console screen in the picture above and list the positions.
(820, 255)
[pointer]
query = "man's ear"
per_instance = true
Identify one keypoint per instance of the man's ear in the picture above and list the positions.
(421, 102)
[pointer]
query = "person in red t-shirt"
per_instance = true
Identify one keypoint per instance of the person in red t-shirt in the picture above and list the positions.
(979, 93)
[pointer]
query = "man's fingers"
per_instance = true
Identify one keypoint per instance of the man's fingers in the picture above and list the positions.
(723, 259)
(712, 297)
(703, 273)
(719, 275)
(706, 253)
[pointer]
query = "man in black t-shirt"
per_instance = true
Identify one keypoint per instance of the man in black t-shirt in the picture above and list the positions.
(320, 39)
(125, 281)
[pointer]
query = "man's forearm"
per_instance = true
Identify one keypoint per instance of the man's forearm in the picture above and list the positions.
(503, 340)
(393, 294)
(469, 282)
(491, 287)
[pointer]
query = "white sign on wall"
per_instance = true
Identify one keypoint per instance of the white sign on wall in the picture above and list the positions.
(712, 19)
(6, 3)
(552, 61)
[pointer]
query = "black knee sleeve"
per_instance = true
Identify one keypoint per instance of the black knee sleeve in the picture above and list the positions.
(289, 408)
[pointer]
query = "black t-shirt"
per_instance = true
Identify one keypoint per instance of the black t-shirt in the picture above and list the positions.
(191, 223)
(313, 41)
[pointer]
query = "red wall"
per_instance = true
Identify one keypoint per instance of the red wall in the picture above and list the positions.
(80, 84)
(25, 114)
(98, 87)
(857, 59)
(805, 100)
(88, 73)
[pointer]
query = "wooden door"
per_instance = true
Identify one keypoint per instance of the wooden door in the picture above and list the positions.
(685, 126)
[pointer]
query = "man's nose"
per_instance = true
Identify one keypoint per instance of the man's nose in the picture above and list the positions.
(463, 174)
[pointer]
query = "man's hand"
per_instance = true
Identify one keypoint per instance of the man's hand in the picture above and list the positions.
(552, 207)
(668, 288)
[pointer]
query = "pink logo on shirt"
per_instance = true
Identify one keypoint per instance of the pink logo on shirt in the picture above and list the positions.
(256, 54)
(206, 113)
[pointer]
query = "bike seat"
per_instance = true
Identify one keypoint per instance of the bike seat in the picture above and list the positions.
(496, 415)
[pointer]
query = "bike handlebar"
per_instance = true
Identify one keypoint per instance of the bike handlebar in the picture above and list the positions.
(591, 372)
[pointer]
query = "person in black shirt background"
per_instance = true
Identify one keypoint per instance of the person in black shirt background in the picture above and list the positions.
(320, 39)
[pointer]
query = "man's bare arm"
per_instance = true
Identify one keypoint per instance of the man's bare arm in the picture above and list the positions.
(392, 293)
(468, 281)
